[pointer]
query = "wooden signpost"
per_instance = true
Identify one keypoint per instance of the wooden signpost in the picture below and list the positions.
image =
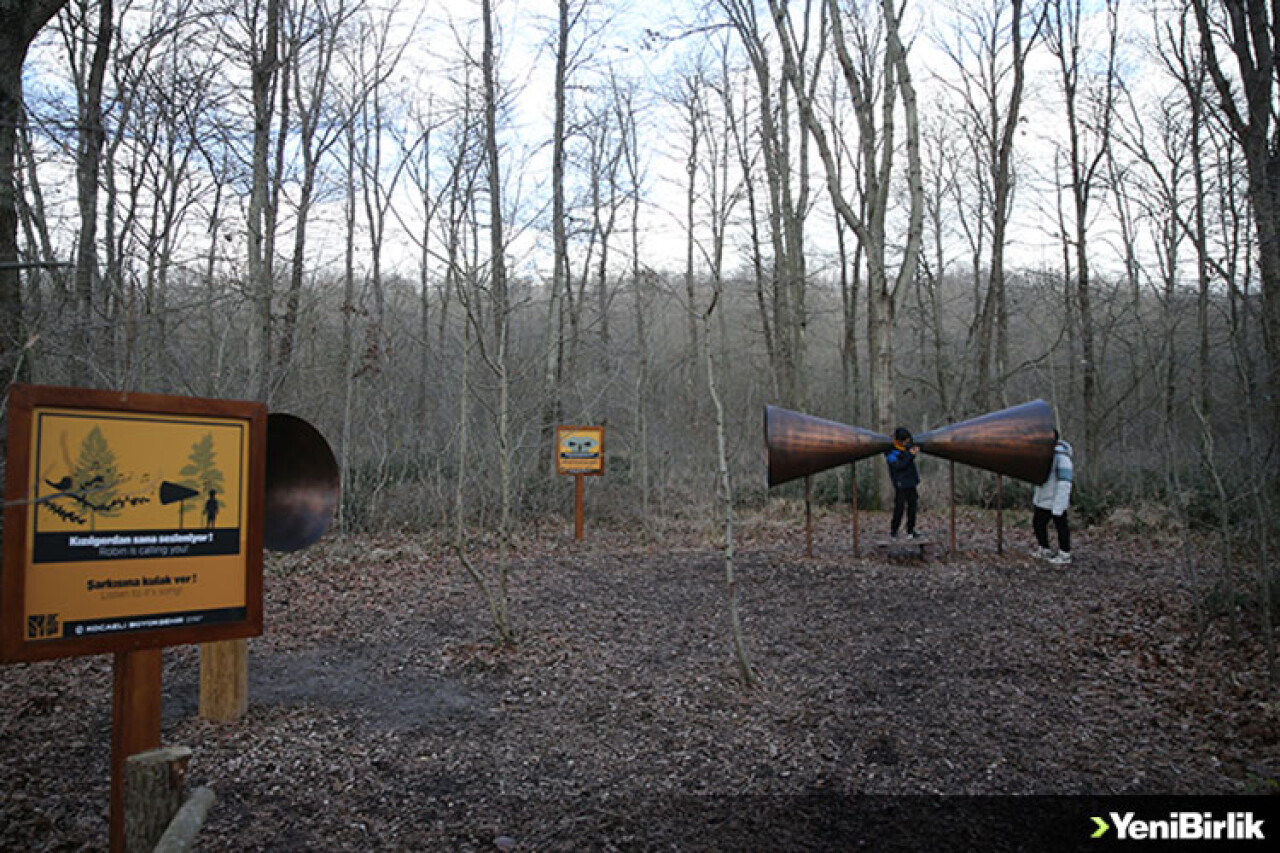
(580, 453)
(132, 522)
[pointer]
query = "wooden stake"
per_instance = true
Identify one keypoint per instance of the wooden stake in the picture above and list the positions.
(135, 723)
(853, 472)
(224, 680)
(808, 515)
(999, 514)
(578, 501)
(953, 506)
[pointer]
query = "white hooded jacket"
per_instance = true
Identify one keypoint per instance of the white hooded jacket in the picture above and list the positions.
(1054, 494)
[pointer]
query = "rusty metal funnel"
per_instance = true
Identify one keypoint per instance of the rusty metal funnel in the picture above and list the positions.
(1017, 442)
(798, 445)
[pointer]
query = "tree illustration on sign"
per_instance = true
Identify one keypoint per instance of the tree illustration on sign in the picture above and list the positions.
(203, 474)
(96, 477)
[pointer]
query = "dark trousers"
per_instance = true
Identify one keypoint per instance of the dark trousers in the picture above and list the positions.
(906, 499)
(1040, 524)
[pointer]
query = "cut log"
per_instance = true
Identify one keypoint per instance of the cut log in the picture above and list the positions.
(180, 837)
(154, 785)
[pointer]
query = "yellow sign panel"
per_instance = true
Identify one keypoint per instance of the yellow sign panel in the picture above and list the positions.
(134, 522)
(579, 450)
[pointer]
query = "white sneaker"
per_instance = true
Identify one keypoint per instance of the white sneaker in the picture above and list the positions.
(1062, 559)
(1042, 553)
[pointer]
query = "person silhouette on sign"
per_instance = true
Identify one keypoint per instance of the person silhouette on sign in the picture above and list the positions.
(211, 509)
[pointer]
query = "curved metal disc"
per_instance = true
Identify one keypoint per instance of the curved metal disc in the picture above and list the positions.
(302, 484)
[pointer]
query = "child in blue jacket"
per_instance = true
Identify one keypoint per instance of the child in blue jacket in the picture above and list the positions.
(905, 477)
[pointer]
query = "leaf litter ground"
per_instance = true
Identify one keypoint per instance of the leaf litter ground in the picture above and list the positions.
(382, 717)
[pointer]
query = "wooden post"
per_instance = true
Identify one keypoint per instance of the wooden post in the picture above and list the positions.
(224, 680)
(135, 723)
(953, 506)
(853, 472)
(578, 501)
(154, 784)
(808, 516)
(999, 514)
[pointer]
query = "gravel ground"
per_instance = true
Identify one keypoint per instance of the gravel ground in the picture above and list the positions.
(382, 717)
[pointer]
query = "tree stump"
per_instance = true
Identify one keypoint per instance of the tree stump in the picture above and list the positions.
(154, 783)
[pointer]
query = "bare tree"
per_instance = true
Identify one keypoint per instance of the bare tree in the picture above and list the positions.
(496, 353)
(315, 34)
(1090, 108)
(567, 15)
(20, 21)
(992, 40)
(88, 166)
(877, 128)
(786, 173)
(1248, 30)
(625, 106)
(264, 75)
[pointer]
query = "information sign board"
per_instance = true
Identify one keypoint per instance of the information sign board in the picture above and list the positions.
(580, 450)
(131, 521)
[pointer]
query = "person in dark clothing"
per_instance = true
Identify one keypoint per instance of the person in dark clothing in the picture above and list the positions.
(905, 477)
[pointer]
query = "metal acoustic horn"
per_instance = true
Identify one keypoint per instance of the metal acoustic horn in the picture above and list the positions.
(302, 487)
(798, 445)
(1017, 442)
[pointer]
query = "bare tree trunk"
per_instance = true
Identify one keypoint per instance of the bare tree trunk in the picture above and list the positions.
(725, 491)
(263, 71)
(494, 599)
(878, 151)
(1251, 29)
(88, 166)
(501, 317)
(554, 371)
(1064, 37)
(20, 21)
(693, 116)
(627, 125)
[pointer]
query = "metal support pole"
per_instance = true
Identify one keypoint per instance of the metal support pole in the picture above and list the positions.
(953, 506)
(808, 515)
(999, 514)
(853, 480)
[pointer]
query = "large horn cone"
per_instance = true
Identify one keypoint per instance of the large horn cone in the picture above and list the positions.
(798, 445)
(1017, 442)
(302, 487)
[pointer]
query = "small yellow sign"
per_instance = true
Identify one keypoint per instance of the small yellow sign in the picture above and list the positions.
(580, 450)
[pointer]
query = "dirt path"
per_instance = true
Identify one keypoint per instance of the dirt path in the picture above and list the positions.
(381, 718)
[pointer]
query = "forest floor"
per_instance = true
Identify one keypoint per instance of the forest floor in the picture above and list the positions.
(382, 716)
